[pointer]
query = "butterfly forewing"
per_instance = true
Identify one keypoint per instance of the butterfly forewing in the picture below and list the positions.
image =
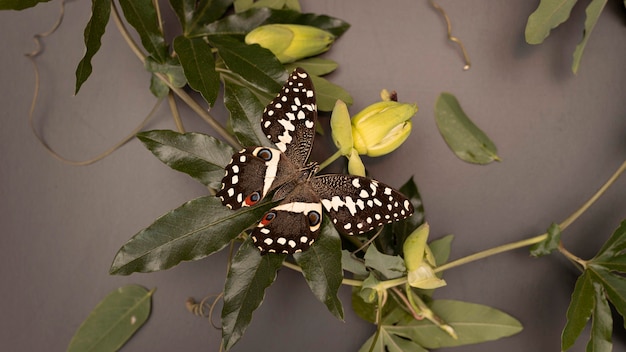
(359, 204)
(289, 119)
(250, 175)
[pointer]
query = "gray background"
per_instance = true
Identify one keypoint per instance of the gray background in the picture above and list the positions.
(560, 137)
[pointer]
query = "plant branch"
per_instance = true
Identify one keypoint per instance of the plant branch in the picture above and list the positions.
(330, 159)
(202, 112)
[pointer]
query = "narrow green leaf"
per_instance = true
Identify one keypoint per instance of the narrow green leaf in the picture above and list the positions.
(314, 66)
(593, 11)
(193, 231)
(466, 140)
(614, 245)
(184, 10)
(199, 65)
(114, 320)
(550, 244)
(252, 62)
(100, 12)
(473, 323)
(171, 68)
(245, 114)
(602, 323)
(240, 24)
(207, 12)
(327, 93)
(617, 263)
(142, 15)
(548, 15)
(19, 4)
(321, 267)
(579, 310)
(390, 342)
(614, 286)
(249, 275)
(391, 266)
(341, 128)
(198, 155)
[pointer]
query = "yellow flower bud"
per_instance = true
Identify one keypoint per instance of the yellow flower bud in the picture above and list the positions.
(291, 42)
(382, 127)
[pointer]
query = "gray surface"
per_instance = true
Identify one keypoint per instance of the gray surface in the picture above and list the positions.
(560, 137)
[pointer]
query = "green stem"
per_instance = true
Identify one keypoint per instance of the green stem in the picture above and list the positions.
(523, 243)
(202, 112)
(331, 159)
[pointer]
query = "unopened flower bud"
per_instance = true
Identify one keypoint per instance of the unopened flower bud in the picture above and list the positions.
(291, 42)
(382, 127)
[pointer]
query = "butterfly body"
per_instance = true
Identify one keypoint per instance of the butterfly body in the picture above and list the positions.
(354, 204)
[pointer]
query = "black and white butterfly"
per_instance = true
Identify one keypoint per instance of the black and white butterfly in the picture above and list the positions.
(354, 204)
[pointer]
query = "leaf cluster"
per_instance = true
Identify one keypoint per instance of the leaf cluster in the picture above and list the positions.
(211, 49)
(601, 283)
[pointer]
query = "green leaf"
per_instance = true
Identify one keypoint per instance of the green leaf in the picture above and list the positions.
(199, 65)
(114, 320)
(473, 323)
(327, 93)
(614, 286)
(391, 266)
(243, 5)
(593, 11)
(441, 249)
(100, 11)
(272, 4)
(348, 263)
(614, 245)
(198, 155)
(617, 263)
(321, 267)
(314, 66)
(602, 324)
(193, 231)
(550, 244)
(548, 15)
(466, 140)
(158, 88)
(252, 62)
(579, 310)
(142, 15)
(240, 24)
(19, 4)
(249, 275)
(170, 68)
(245, 114)
(390, 342)
(207, 12)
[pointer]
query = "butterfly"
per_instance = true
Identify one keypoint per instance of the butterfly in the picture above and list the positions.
(354, 204)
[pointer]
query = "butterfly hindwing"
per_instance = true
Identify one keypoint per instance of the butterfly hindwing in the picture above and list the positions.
(289, 119)
(358, 204)
(292, 226)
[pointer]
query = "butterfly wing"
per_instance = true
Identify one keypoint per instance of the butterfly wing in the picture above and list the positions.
(292, 226)
(359, 204)
(250, 175)
(289, 119)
